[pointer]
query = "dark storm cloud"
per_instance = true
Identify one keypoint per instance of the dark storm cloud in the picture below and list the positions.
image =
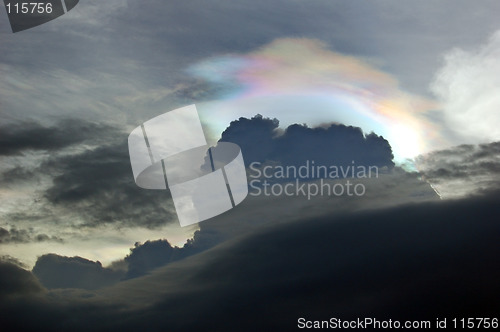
(422, 261)
(93, 178)
(55, 271)
(333, 144)
(15, 235)
(412, 262)
(19, 137)
(419, 261)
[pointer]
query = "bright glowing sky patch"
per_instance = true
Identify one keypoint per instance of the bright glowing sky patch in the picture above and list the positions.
(301, 81)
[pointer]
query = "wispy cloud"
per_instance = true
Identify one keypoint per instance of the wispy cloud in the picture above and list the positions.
(467, 86)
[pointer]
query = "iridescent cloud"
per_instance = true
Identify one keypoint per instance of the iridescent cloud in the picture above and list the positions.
(302, 81)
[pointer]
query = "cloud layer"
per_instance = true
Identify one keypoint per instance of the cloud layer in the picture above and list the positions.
(413, 262)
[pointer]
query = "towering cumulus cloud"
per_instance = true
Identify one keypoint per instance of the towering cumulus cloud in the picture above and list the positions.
(333, 144)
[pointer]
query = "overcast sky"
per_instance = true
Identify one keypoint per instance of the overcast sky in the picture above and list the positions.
(411, 87)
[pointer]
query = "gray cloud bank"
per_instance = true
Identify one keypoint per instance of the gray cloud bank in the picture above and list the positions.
(419, 261)
(463, 170)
